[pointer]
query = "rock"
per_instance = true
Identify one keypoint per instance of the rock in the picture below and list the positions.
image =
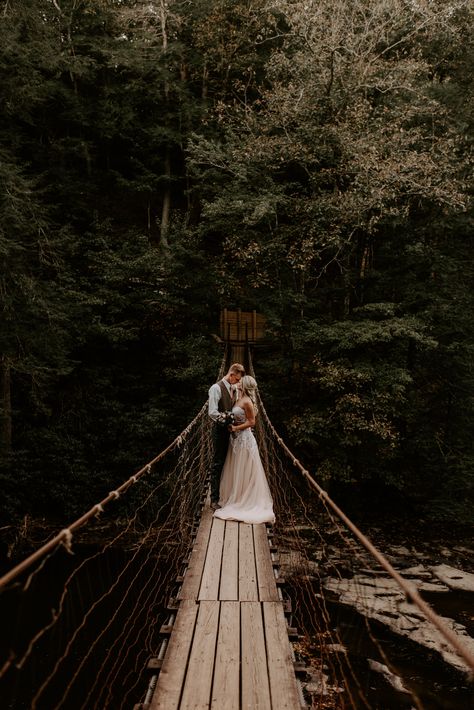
(411, 611)
(401, 550)
(392, 679)
(454, 578)
(295, 562)
(464, 550)
(373, 601)
(432, 587)
(418, 571)
(318, 684)
(376, 587)
(335, 648)
(303, 528)
(408, 625)
(379, 583)
(376, 572)
(421, 555)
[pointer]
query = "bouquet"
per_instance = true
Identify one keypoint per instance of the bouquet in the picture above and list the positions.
(226, 419)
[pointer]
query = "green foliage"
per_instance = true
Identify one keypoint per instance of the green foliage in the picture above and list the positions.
(344, 185)
(309, 160)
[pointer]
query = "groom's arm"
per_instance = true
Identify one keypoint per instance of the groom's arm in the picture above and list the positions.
(213, 408)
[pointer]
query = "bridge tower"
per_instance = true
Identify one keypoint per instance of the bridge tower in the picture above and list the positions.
(241, 330)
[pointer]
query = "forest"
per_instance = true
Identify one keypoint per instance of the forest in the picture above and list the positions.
(161, 160)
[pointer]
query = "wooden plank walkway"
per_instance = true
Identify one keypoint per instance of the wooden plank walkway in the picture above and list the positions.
(229, 648)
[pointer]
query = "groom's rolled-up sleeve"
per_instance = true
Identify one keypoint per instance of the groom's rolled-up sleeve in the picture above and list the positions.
(214, 397)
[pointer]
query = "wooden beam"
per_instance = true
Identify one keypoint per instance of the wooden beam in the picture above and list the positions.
(198, 684)
(255, 685)
(170, 681)
(212, 568)
(247, 572)
(267, 589)
(284, 690)
(228, 650)
(226, 686)
(229, 588)
(192, 579)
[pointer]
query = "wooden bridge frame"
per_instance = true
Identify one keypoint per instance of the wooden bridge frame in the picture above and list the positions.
(241, 331)
(229, 641)
(229, 645)
(238, 327)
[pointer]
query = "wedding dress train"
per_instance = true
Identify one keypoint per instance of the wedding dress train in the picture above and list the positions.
(244, 492)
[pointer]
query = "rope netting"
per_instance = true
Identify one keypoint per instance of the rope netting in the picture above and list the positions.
(81, 618)
(364, 627)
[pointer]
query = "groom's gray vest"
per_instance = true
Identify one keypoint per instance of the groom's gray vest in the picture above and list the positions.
(225, 402)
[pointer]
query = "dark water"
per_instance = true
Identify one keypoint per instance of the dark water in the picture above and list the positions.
(432, 684)
(110, 611)
(455, 605)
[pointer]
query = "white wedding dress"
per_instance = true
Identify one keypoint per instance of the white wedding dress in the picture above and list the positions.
(244, 492)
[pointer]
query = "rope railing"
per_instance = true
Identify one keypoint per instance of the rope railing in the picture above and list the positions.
(409, 590)
(108, 610)
(64, 537)
(105, 604)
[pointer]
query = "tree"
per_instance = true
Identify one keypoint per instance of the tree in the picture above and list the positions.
(162, 160)
(336, 183)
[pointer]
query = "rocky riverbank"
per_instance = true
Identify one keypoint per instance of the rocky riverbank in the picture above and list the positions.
(352, 586)
(379, 597)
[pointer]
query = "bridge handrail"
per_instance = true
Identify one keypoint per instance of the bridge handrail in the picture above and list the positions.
(65, 536)
(410, 591)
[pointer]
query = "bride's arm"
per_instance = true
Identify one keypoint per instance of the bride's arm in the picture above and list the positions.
(249, 413)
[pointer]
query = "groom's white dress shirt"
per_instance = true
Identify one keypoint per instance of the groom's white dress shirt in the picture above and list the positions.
(214, 397)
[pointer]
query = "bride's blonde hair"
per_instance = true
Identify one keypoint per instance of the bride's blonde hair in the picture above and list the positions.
(249, 387)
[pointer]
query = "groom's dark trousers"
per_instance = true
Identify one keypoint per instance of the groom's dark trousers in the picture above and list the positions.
(220, 437)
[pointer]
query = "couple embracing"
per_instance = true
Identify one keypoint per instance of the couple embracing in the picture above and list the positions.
(239, 488)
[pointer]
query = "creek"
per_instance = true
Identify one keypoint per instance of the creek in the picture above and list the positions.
(371, 659)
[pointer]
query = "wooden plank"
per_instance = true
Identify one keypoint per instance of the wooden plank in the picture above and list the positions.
(211, 575)
(170, 681)
(283, 688)
(198, 683)
(255, 686)
(192, 579)
(247, 572)
(226, 686)
(267, 589)
(229, 589)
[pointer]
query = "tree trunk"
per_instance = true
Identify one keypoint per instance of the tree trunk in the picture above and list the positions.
(205, 77)
(5, 408)
(166, 206)
(165, 210)
(347, 282)
(365, 266)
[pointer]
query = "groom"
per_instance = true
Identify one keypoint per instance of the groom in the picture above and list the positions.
(221, 399)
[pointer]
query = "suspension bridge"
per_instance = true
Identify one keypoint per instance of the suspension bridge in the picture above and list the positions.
(166, 607)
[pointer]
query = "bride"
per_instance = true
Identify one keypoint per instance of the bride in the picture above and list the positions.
(244, 492)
